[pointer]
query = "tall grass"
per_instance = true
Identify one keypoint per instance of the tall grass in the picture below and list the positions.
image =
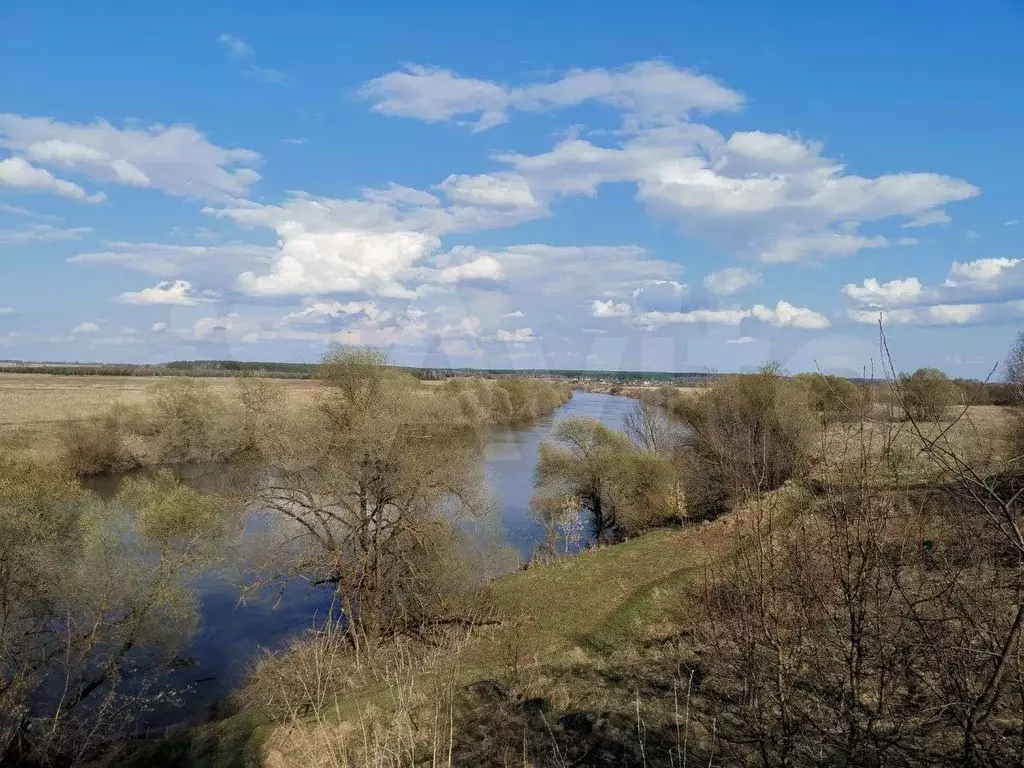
(334, 709)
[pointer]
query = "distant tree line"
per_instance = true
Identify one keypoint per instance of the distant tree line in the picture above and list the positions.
(283, 370)
(972, 391)
(203, 369)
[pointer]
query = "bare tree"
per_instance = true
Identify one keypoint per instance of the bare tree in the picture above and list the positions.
(648, 427)
(367, 487)
(558, 511)
(1013, 367)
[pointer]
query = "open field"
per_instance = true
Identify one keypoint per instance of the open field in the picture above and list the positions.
(33, 406)
(976, 436)
(41, 398)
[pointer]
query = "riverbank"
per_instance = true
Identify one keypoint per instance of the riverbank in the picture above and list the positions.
(577, 631)
(593, 657)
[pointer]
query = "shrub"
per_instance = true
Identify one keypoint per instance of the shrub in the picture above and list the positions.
(750, 434)
(95, 446)
(95, 606)
(926, 394)
(262, 408)
(835, 397)
(192, 423)
(974, 392)
(590, 469)
(506, 401)
(182, 420)
(643, 492)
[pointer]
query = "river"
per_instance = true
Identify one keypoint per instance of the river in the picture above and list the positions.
(231, 634)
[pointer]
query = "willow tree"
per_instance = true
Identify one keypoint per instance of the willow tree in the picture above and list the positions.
(94, 604)
(926, 394)
(580, 463)
(748, 434)
(366, 485)
(618, 487)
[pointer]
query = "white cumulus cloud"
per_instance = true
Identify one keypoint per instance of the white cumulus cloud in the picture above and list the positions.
(18, 173)
(785, 315)
(891, 293)
(171, 292)
(974, 292)
(609, 309)
(484, 267)
(649, 92)
(764, 196)
(692, 316)
(177, 159)
(984, 273)
(318, 311)
(341, 262)
(782, 315)
(516, 336)
(506, 189)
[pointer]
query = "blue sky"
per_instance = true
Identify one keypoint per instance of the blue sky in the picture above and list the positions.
(664, 186)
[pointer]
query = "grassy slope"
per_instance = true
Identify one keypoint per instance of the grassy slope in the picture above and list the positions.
(594, 601)
(575, 612)
(614, 599)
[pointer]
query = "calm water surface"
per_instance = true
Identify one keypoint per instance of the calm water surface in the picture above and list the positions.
(231, 634)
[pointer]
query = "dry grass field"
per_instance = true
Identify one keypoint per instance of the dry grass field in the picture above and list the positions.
(975, 435)
(33, 406)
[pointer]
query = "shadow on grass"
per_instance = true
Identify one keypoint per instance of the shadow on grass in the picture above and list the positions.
(234, 742)
(622, 715)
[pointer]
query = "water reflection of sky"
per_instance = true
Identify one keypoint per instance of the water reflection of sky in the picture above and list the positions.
(230, 636)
